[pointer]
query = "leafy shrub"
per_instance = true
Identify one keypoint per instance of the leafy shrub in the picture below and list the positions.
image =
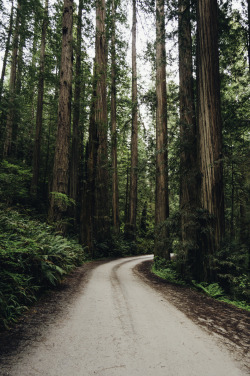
(214, 290)
(14, 182)
(32, 259)
(166, 270)
(232, 269)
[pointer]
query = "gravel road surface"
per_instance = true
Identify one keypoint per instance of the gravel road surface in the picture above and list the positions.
(120, 326)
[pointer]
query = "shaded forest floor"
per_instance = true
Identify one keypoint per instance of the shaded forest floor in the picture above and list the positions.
(228, 324)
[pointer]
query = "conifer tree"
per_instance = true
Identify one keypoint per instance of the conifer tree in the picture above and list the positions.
(115, 201)
(132, 212)
(162, 201)
(188, 142)
(209, 133)
(39, 111)
(59, 194)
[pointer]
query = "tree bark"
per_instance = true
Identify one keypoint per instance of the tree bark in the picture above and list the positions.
(115, 201)
(248, 14)
(39, 113)
(188, 144)
(7, 48)
(131, 226)
(161, 199)
(58, 200)
(210, 132)
(7, 147)
(75, 153)
(102, 217)
(88, 207)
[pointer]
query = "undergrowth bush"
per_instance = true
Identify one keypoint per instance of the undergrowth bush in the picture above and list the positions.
(14, 182)
(32, 259)
(166, 270)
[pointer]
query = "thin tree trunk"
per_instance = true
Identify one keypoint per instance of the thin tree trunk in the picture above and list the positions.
(12, 87)
(102, 217)
(7, 48)
(39, 113)
(232, 232)
(161, 196)
(248, 13)
(75, 153)
(126, 197)
(131, 226)
(58, 199)
(210, 131)
(188, 141)
(88, 207)
(115, 202)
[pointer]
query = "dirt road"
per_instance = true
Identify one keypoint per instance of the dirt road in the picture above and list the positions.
(120, 326)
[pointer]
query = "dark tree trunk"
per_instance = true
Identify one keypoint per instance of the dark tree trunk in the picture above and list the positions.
(7, 147)
(188, 144)
(88, 207)
(39, 113)
(102, 217)
(248, 13)
(58, 199)
(75, 153)
(115, 201)
(7, 48)
(161, 199)
(210, 132)
(131, 226)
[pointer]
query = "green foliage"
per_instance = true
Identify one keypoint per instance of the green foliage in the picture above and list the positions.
(14, 182)
(213, 289)
(32, 259)
(232, 262)
(216, 291)
(63, 199)
(166, 270)
(145, 245)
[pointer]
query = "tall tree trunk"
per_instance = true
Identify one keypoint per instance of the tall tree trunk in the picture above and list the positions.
(132, 214)
(248, 14)
(102, 217)
(12, 87)
(7, 48)
(188, 141)
(115, 202)
(210, 131)
(39, 113)
(161, 197)
(75, 153)
(88, 207)
(58, 200)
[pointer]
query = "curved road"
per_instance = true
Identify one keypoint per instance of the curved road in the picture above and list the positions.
(120, 326)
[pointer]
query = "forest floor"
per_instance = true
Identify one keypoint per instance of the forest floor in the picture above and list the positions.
(228, 324)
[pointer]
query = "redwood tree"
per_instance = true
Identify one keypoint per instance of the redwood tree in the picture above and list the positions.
(132, 213)
(58, 200)
(162, 201)
(39, 112)
(102, 215)
(75, 149)
(210, 132)
(7, 48)
(188, 142)
(115, 201)
(7, 147)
